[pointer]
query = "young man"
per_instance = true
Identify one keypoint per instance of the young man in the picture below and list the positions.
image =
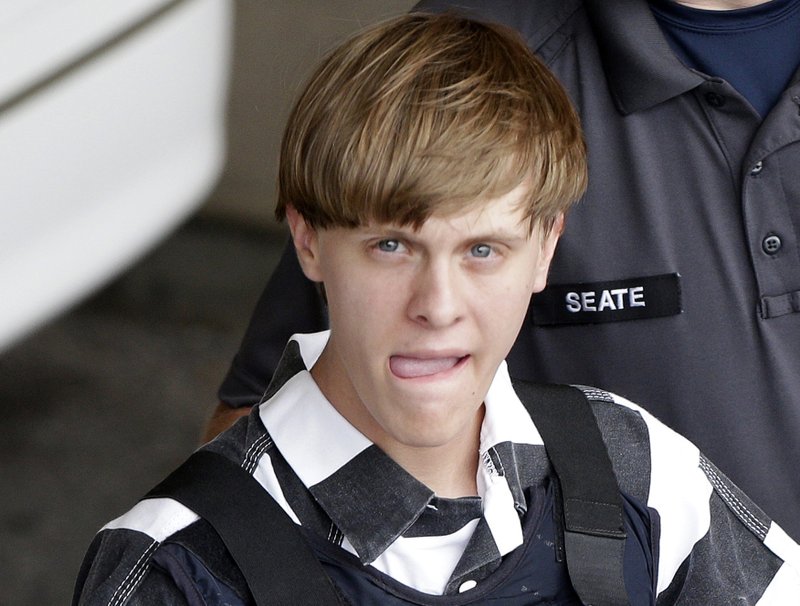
(691, 113)
(425, 174)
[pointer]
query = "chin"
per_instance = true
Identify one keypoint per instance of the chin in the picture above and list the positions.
(431, 429)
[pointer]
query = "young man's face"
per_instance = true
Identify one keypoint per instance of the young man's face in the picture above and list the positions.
(420, 320)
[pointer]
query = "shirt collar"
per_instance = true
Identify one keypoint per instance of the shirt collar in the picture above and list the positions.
(370, 498)
(641, 69)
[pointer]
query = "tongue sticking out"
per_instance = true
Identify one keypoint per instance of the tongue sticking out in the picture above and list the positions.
(409, 368)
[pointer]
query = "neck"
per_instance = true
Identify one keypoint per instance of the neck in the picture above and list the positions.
(721, 5)
(449, 470)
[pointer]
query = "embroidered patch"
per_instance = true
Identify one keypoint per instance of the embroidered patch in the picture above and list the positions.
(612, 301)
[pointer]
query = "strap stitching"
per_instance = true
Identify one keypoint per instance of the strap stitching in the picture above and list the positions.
(755, 525)
(254, 453)
(133, 577)
(595, 394)
(255, 445)
(134, 582)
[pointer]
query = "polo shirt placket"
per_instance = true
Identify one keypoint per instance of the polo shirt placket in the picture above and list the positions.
(772, 213)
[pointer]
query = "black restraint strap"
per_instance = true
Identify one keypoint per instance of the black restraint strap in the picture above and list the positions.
(278, 564)
(260, 531)
(594, 533)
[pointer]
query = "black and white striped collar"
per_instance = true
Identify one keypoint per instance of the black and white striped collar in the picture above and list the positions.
(367, 495)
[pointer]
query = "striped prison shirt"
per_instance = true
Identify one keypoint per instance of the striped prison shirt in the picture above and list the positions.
(707, 543)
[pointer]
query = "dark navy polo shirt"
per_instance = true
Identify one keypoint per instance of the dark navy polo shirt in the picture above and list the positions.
(756, 49)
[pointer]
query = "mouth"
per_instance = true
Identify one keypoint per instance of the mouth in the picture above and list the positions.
(412, 367)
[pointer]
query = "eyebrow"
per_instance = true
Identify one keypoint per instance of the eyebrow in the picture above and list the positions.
(503, 235)
(390, 231)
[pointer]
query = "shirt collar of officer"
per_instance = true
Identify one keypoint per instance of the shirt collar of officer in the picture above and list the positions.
(641, 69)
(358, 485)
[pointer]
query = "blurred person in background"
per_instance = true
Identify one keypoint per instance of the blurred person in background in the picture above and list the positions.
(677, 279)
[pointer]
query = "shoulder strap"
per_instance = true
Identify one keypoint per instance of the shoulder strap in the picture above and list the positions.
(594, 533)
(276, 561)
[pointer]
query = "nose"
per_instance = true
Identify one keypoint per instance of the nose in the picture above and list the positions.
(436, 299)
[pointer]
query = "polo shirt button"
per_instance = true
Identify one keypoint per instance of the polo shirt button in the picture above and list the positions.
(771, 244)
(715, 99)
(757, 168)
(467, 585)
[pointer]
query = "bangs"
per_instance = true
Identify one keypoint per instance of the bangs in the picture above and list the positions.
(429, 115)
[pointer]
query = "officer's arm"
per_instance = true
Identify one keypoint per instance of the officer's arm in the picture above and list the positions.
(289, 304)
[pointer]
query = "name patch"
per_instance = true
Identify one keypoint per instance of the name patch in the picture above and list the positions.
(612, 301)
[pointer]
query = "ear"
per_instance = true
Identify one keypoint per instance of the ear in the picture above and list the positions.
(306, 244)
(547, 248)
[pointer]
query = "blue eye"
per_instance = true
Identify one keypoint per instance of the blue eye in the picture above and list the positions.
(481, 250)
(388, 245)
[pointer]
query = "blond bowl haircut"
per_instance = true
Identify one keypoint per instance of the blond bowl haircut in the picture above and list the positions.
(429, 114)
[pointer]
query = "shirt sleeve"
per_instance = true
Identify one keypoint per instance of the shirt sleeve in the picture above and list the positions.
(126, 567)
(716, 546)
